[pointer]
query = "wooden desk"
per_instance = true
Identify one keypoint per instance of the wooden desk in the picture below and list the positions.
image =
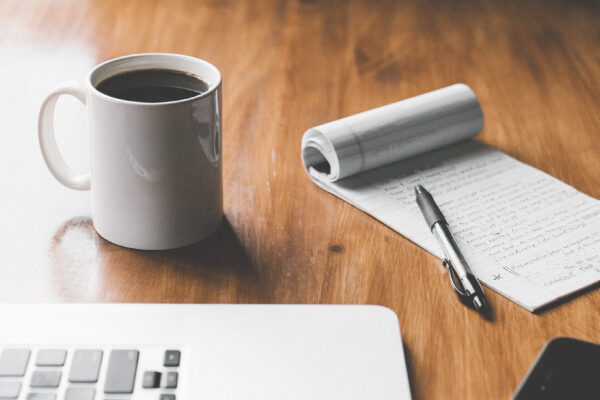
(287, 66)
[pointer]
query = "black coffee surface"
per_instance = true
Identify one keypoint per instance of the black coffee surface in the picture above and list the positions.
(152, 85)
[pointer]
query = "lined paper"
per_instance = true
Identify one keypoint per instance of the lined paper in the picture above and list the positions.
(525, 234)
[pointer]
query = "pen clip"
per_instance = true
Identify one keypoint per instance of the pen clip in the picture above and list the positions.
(475, 299)
(458, 288)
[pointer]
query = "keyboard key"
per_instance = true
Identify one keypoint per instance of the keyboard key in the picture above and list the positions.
(51, 358)
(170, 380)
(172, 358)
(85, 366)
(13, 362)
(167, 397)
(9, 390)
(120, 375)
(80, 393)
(151, 379)
(45, 379)
(41, 396)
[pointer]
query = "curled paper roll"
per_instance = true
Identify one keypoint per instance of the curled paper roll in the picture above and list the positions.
(391, 133)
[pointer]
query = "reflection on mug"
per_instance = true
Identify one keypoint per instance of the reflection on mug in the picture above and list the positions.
(208, 131)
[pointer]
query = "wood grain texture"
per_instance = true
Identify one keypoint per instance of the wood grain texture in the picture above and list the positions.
(287, 66)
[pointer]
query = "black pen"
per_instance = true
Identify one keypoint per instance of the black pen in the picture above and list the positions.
(468, 289)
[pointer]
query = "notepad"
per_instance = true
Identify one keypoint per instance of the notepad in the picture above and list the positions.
(525, 234)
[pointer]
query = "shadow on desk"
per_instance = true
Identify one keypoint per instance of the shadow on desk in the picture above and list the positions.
(84, 267)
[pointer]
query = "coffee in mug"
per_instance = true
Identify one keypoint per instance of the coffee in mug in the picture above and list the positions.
(152, 85)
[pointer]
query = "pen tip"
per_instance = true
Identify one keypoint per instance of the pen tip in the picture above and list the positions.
(480, 305)
(419, 189)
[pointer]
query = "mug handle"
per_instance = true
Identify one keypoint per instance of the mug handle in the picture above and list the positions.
(50, 152)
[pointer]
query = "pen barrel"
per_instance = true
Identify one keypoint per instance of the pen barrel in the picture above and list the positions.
(430, 210)
(451, 250)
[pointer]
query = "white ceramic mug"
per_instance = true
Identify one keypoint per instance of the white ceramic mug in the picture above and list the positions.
(155, 173)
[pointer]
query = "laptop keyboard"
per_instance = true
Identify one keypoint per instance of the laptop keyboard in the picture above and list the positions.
(88, 374)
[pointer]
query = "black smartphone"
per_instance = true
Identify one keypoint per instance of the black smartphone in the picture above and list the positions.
(566, 368)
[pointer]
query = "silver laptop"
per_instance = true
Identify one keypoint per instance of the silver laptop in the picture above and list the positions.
(182, 352)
